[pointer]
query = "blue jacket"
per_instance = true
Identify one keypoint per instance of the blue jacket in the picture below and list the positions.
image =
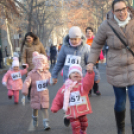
(67, 50)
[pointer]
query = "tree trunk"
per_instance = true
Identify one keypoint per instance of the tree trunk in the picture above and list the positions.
(8, 38)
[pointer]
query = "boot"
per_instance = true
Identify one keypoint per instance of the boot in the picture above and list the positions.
(46, 124)
(66, 121)
(120, 121)
(132, 119)
(35, 121)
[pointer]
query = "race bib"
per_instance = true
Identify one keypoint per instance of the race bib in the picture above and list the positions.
(41, 85)
(75, 98)
(72, 59)
(16, 76)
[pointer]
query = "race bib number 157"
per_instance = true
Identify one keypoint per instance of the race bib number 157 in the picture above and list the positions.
(75, 98)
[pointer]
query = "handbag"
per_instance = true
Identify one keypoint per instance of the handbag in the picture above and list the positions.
(127, 47)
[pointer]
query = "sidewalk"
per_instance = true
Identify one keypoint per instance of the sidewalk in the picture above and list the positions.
(4, 70)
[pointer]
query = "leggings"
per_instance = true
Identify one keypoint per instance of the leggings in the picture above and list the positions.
(14, 93)
(44, 111)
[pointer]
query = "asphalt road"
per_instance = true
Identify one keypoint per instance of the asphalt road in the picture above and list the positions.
(17, 119)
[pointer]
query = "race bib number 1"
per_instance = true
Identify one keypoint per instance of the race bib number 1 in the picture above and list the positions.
(16, 76)
(41, 85)
(72, 59)
(75, 98)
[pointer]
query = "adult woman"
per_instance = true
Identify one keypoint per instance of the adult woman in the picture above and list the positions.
(120, 61)
(30, 44)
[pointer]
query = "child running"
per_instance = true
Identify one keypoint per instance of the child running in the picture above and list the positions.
(73, 98)
(73, 51)
(39, 79)
(12, 80)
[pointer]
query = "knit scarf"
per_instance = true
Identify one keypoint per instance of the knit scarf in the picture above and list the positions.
(123, 23)
(75, 45)
(69, 85)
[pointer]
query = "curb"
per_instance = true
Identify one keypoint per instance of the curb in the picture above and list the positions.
(3, 71)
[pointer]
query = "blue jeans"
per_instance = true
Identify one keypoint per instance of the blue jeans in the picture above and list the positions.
(120, 97)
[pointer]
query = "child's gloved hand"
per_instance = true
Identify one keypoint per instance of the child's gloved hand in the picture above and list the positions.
(53, 111)
(4, 83)
(23, 100)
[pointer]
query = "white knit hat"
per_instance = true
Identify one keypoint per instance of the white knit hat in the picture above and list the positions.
(75, 68)
(15, 62)
(75, 32)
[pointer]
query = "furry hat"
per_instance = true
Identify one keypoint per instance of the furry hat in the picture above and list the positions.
(40, 61)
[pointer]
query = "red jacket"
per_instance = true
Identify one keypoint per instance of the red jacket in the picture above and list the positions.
(78, 95)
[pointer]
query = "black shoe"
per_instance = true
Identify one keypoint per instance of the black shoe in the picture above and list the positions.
(10, 97)
(66, 122)
(132, 120)
(98, 93)
(120, 121)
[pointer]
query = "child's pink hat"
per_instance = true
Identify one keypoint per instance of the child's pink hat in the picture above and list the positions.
(40, 61)
(75, 68)
(15, 62)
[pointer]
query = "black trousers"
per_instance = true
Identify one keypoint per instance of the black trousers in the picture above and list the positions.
(95, 88)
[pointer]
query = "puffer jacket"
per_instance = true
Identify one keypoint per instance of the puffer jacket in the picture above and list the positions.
(120, 62)
(81, 51)
(80, 94)
(13, 79)
(39, 91)
(28, 49)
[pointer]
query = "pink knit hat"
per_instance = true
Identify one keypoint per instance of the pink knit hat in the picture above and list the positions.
(75, 68)
(15, 62)
(75, 32)
(40, 61)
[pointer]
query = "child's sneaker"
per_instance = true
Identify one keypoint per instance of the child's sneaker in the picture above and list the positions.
(98, 93)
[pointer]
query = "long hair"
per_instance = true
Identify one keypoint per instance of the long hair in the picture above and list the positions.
(24, 40)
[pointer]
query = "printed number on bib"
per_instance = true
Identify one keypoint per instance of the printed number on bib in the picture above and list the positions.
(72, 59)
(75, 98)
(41, 85)
(16, 76)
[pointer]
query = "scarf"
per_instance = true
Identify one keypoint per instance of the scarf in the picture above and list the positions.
(75, 45)
(123, 23)
(69, 85)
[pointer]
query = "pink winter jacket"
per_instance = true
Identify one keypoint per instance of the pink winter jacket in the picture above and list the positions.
(13, 79)
(39, 91)
(79, 109)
